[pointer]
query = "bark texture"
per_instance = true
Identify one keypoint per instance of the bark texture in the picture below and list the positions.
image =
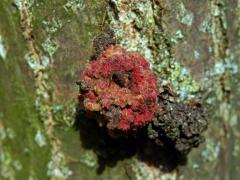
(44, 45)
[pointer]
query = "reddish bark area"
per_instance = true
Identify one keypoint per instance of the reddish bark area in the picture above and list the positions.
(120, 86)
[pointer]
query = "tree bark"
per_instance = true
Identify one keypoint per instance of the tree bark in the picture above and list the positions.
(44, 45)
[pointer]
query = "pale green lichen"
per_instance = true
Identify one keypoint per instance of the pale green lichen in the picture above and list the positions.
(196, 55)
(3, 133)
(75, 5)
(144, 38)
(177, 37)
(50, 46)
(58, 172)
(222, 81)
(181, 177)
(65, 114)
(184, 16)
(40, 139)
(212, 150)
(6, 133)
(221, 67)
(205, 25)
(143, 171)
(215, 10)
(236, 149)
(139, 14)
(224, 110)
(179, 78)
(89, 158)
(34, 65)
(17, 165)
(210, 49)
(8, 166)
(196, 167)
(227, 65)
(19, 3)
(10, 133)
(53, 25)
(3, 50)
(31, 177)
(234, 120)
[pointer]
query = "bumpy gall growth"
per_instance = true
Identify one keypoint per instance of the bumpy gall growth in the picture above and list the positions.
(121, 88)
(181, 125)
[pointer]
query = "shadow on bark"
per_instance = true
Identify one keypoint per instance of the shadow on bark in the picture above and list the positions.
(111, 150)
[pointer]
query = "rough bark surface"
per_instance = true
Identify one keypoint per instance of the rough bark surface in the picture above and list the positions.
(44, 45)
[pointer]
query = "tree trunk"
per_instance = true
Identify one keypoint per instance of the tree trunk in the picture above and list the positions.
(44, 45)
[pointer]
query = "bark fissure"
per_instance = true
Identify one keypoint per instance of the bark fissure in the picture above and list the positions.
(41, 65)
(221, 54)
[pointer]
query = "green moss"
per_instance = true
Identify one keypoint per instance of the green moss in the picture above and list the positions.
(20, 155)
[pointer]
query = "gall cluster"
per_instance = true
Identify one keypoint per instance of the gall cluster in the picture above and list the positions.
(119, 91)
